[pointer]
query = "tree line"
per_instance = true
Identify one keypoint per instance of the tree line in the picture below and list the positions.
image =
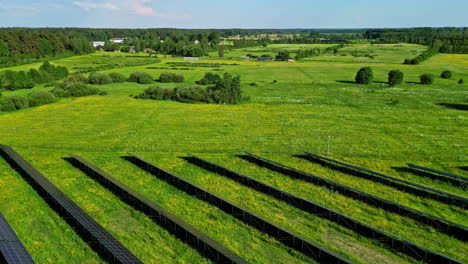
(446, 40)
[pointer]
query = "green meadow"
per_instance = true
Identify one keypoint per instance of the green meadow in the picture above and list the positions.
(311, 105)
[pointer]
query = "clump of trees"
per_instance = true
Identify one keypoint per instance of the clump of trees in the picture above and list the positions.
(208, 79)
(99, 78)
(304, 53)
(446, 74)
(427, 78)
(226, 90)
(169, 77)
(395, 77)
(283, 56)
(140, 77)
(18, 102)
(117, 77)
(364, 76)
(14, 80)
(423, 56)
(74, 90)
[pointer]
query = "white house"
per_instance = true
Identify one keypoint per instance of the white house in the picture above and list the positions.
(191, 59)
(98, 43)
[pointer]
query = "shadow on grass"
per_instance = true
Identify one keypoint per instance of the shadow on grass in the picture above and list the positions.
(413, 82)
(461, 107)
(431, 176)
(341, 81)
(465, 168)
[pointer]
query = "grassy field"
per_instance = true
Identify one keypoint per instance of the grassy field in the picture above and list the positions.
(314, 106)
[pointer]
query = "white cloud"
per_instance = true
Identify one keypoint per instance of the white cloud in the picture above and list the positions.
(141, 8)
(88, 6)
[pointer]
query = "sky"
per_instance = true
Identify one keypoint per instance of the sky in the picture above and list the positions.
(233, 13)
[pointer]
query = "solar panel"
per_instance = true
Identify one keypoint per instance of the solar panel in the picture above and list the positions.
(437, 172)
(286, 237)
(455, 199)
(89, 226)
(206, 244)
(11, 248)
(391, 240)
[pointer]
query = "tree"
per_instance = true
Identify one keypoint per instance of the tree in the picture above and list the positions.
(461, 81)
(44, 47)
(364, 76)
(227, 90)
(283, 56)
(214, 38)
(221, 51)
(395, 77)
(427, 78)
(140, 77)
(446, 74)
(4, 51)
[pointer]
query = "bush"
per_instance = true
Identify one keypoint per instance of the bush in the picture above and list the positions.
(99, 78)
(117, 77)
(74, 90)
(461, 81)
(38, 98)
(168, 77)
(7, 105)
(81, 78)
(395, 77)
(140, 77)
(208, 79)
(20, 102)
(156, 93)
(283, 56)
(364, 76)
(427, 78)
(446, 74)
(192, 94)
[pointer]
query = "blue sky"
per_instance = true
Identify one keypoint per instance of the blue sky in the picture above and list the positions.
(233, 14)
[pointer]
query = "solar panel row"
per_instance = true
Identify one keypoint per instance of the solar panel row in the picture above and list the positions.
(288, 238)
(453, 176)
(114, 251)
(397, 243)
(448, 227)
(442, 196)
(208, 247)
(11, 248)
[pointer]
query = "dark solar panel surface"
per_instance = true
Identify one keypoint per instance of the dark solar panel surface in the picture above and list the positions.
(437, 172)
(348, 222)
(424, 188)
(107, 242)
(10, 246)
(209, 243)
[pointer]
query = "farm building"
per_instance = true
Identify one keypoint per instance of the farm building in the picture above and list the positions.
(191, 59)
(245, 57)
(196, 42)
(117, 40)
(266, 59)
(98, 43)
(291, 60)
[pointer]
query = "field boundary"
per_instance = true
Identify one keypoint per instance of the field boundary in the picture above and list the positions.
(288, 238)
(184, 231)
(391, 241)
(97, 237)
(12, 251)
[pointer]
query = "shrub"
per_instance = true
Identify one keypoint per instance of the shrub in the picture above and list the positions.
(427, 78)
(117, 77)
(364, 76)
(103, 93)
(395, 77)
(191, 94)
(20, 102)
(81, 78)
(75, 90)
(140, 77)
(283, 56)
(99, 78)
(168, 77)
(446, 74)
(38, 98)
(208, 79)
(461, 81)
(7, 105)
(156, 93)
(227, 90)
